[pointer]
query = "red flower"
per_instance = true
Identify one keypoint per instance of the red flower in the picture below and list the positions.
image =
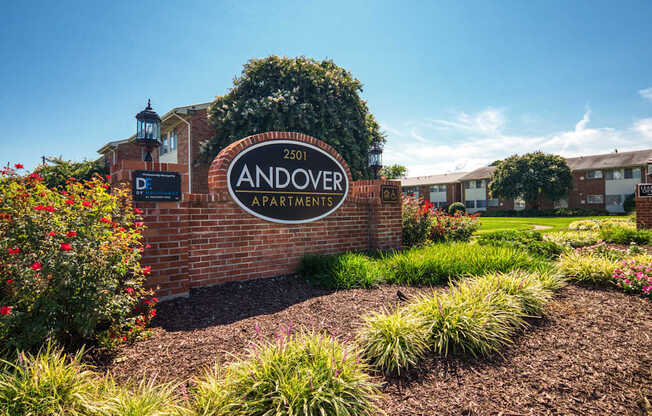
(106, 220)
(124, 338)
(64, 193)
(5, 310)
(14, 250)
(51, 234)
(148, 246)
(148, 302)
(18, 166)
(147, 269)
(87, 204)
(155, 300)
(71, 234)
(139, 223)
(130, 290)
(36, 266)
(35, 176)
(153, 312)
(121, 229)
(69, 201)
(65, 246)
(106, 186)
(108, 177)
(50, 208)
(138, 210)
(10, 281)
(72, 179)
(39, 207)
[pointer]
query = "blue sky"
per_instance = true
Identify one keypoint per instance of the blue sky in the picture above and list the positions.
(454, 84)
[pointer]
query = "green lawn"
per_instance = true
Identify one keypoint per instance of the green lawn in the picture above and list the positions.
(527, 223)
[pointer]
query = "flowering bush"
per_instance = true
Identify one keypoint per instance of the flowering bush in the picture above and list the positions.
(634, 277)
(422, 223)
(69, 264)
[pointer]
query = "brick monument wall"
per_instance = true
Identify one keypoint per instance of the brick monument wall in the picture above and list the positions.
(206, 239)
(643, 211)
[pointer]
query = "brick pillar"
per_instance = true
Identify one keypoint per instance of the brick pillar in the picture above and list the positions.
(385, 230)
(643, 212)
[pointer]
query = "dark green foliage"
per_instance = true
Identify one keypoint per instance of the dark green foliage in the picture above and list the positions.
(531, 241)
(622, 235)
(58, 171)
(302, 95)
(558, 212)
(456, 206)
(439, 263)
(629, 204)
(533, 177)
(340, 271)
(393, 171)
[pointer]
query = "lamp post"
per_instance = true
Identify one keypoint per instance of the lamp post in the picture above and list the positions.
(148, 130)
(376, 158)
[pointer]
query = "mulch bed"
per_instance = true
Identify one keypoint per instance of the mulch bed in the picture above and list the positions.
(590, 355)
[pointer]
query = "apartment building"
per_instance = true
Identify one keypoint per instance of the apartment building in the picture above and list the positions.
(182, 131)
(599, 181)
(440, 190)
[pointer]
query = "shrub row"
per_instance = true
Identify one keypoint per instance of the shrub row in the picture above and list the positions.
(307, 374)
(422, 223)
(531, 241)
(432, 264)
(476, 316)
(558, 212)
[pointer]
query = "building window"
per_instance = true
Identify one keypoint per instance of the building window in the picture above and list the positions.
(614, 175)
(632, 173)
(594, 174)
(438, 188)
(469, 185)
(519, 204)
(614, 199)
(469, 204)
(164, 147)
(478, 184)
(173, 141)
(481, 203)
(595, 199)
(561, 203)
(492, 203)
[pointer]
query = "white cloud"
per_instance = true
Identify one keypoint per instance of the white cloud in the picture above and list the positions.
(479, 140)
(646, 93)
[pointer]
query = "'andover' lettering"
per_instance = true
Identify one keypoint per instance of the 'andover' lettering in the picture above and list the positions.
(263, 181)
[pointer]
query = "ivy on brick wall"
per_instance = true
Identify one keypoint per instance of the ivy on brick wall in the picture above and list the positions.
(302, 95)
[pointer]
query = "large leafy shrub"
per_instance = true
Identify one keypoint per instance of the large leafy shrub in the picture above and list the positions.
(57, 171)
(306, 374)
(421, 223)
(318, 98)
(69, 263)
(531, 241)
(456, 207)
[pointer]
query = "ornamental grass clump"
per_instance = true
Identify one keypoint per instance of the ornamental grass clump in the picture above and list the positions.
(144, 399)
(470, 319)
(587, 267)
(306, 374)
(439, 263)
(393, 341)
(340, 271)
(525, 287)
(48, 384)
(69, 264)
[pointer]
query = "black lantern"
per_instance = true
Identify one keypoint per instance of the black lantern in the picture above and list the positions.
(148, 130)
(376, 158)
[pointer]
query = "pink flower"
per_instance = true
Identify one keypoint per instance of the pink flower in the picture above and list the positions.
(130, 290)
(51, 234)
(138, 210)
(39, 207)
(36, 266)
(50, 208)
(71, 234)
(87, 204)
(65, 246)
(5, 310)
(14, 250)
(147, 269)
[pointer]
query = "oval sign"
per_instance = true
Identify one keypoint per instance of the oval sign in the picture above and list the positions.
(287, 181)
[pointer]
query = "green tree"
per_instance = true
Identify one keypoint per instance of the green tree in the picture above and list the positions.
(533, 176)
(57, 171)
(395, 171)
(317, 98)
